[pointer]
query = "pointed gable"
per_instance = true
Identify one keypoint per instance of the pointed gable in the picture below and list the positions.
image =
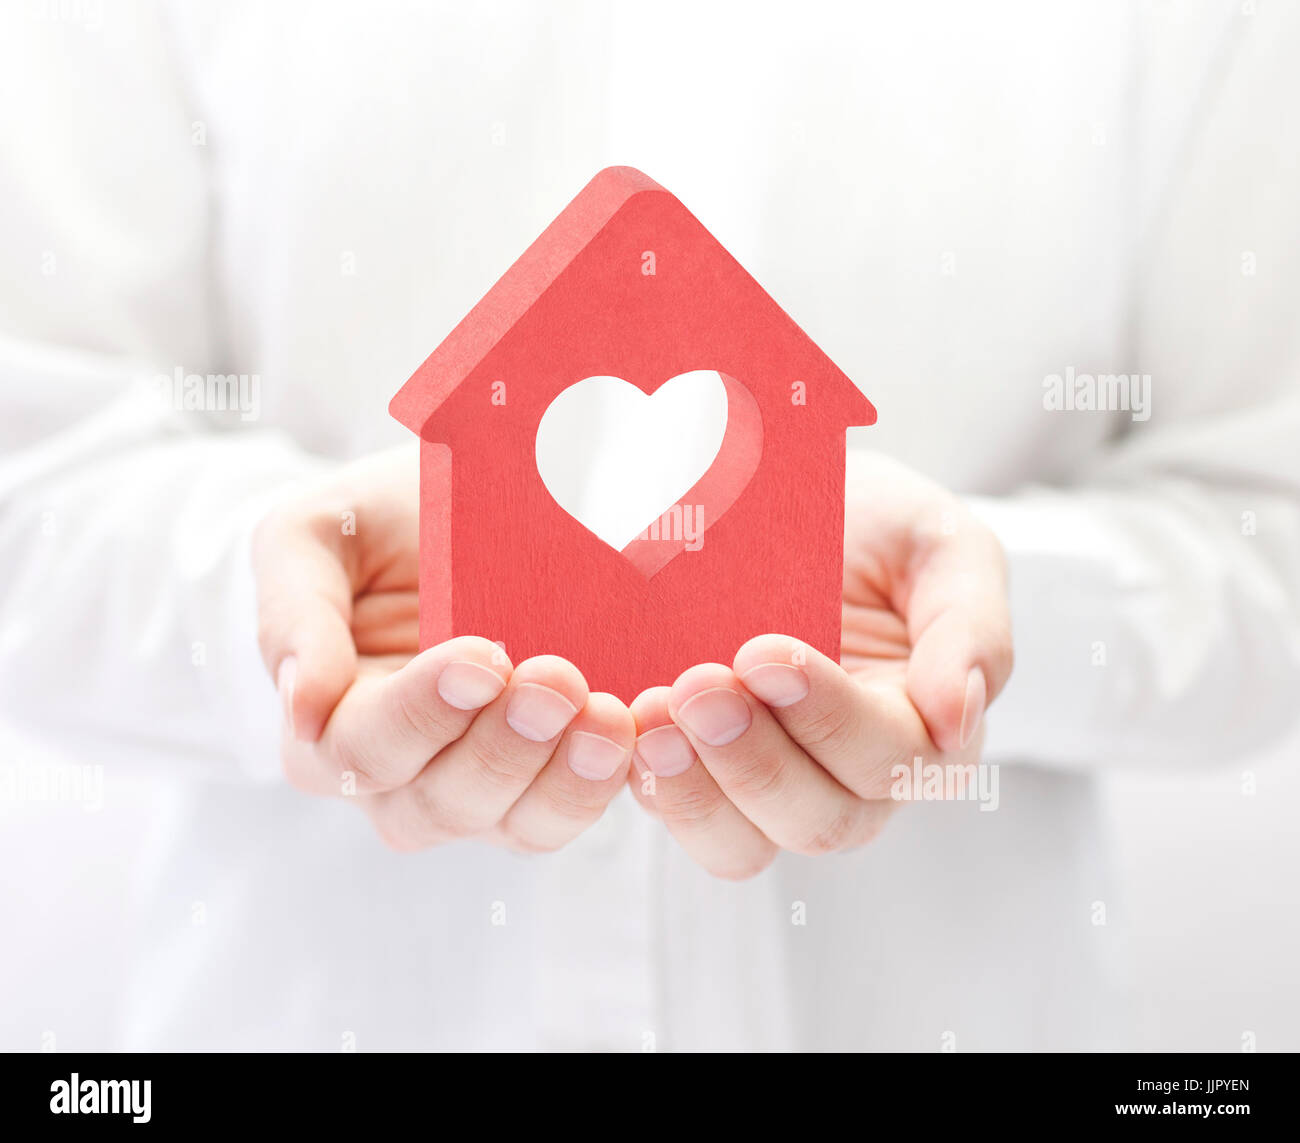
(722, 283)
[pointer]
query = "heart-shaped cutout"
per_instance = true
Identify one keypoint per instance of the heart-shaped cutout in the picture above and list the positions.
(648, 472)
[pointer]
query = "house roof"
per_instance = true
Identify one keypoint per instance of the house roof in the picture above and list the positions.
(520, 287)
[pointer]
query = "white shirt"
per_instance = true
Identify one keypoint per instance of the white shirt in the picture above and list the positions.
(956, 201)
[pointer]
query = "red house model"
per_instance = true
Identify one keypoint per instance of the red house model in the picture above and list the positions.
(627, 283)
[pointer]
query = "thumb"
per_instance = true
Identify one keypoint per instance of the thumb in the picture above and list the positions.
(304, 604)
(959, 624)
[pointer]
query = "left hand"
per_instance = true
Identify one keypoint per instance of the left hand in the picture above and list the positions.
(449, 743)
(787, 749)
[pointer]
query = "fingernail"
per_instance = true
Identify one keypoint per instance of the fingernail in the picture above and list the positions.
(665, 751)
(593, 756)
(285, 678)
(538, 713)
(468, 686)
(972, 709)
(777, 684)
(716, 716)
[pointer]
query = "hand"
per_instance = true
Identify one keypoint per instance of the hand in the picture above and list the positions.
(450, 743)
(786, 749)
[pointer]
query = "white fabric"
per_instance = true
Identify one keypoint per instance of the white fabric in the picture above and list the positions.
(955, 201)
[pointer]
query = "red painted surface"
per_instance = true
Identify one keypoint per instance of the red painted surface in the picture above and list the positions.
(500, 558)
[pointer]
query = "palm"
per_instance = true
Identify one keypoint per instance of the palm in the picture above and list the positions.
(383, 565)
(874, 641)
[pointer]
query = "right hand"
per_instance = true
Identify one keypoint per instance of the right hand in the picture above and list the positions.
(452, 742)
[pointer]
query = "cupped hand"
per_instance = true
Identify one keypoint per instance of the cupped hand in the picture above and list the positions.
(787, 749)
(449, 743)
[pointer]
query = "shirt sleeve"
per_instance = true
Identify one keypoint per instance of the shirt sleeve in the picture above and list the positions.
(127, 619)
(1156, 597)
(128, 610)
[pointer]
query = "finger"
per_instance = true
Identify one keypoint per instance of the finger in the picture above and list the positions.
(587, 769)
(859, 733)
(769, 778)
(959, 624)
(471, 784)
(387, 726)
(304, 607)
(670, 781)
